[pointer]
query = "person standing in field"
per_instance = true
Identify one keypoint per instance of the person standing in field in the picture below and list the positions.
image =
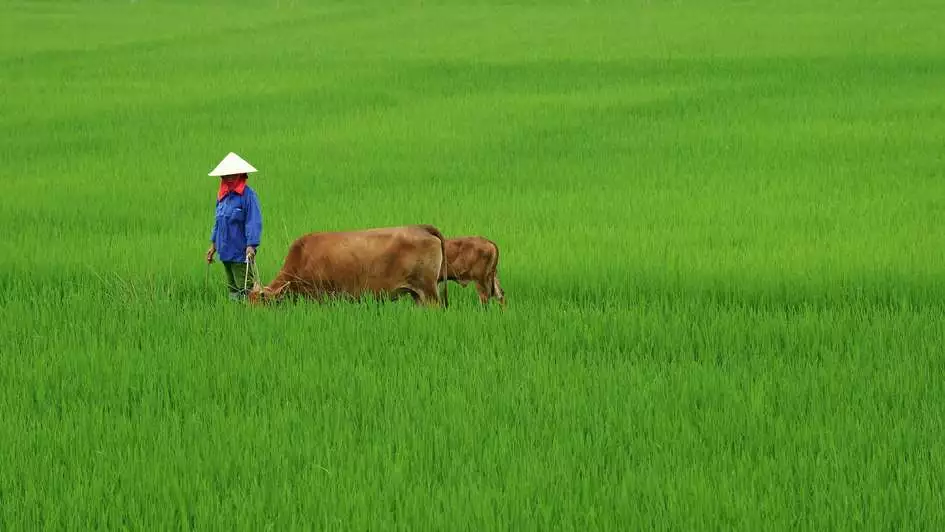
(237, 227)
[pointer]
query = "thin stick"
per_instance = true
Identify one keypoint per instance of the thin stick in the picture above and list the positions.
(255, 273)
(246, 273)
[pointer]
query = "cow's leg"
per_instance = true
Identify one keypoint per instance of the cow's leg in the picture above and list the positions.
(428, 294)
(484, 291)
(497, 289)
(401, 292)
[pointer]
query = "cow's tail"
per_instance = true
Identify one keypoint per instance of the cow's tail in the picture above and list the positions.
(443, 274)
(494, 273)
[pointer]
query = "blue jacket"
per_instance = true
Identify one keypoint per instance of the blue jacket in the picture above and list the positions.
(238, 224)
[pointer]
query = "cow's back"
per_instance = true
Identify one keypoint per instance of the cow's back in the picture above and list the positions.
(382, 259)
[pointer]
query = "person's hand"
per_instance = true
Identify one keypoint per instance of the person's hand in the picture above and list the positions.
(210, 253)
(250, 252)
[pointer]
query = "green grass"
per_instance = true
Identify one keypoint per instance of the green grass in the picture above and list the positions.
(722, 244)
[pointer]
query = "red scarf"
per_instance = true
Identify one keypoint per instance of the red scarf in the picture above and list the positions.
(237, 185)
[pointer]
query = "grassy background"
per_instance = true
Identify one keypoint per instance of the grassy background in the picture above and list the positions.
(720, 233)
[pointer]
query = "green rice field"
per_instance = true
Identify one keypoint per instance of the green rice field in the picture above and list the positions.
(722, 235)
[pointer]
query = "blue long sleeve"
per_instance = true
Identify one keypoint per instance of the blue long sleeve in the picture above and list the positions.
(213, 232)
(238, 225)
(253, 221)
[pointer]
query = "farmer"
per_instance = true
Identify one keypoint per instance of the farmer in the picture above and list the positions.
(238, 225)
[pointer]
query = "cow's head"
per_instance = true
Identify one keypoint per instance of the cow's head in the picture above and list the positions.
(261, 295)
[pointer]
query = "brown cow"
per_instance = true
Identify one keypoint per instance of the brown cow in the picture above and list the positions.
(475, 259)
(389, 262)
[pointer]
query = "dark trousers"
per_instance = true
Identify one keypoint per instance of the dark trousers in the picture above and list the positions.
(235, 276)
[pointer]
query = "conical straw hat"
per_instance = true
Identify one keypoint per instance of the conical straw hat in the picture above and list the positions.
(232, 164)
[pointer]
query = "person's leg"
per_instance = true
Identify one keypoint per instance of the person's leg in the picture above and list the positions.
(232, 286)
(240, 289)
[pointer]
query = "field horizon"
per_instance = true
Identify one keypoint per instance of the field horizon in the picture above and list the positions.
(720, 234)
